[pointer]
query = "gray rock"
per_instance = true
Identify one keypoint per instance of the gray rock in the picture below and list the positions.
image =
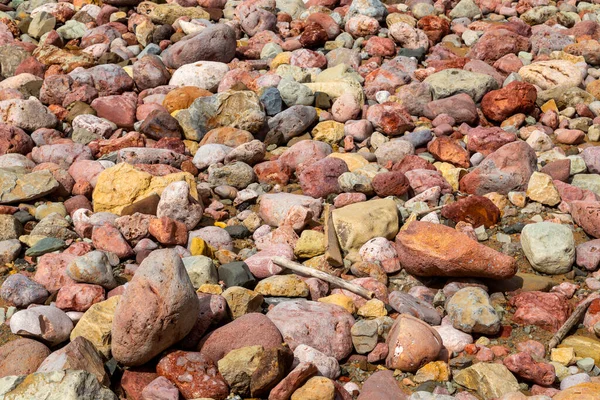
(177, 203)
(290, 123)
(394, 151)
(470, 311)
(93, 267)
(21, 291)
(46, 245)
(10, 227)
(201, 270)
(549, 247)
(271, 100)
(453, 81)
(46, 323)
(20, 186)
(9, 250)
(465, 9)
(364, 335)
(404, 303)
(56, 226)
(28, 115)
(327, 366)
(294, 93)
(237, 174)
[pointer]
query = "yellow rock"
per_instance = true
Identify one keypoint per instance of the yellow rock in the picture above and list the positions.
(490, 380)
(499, 200)
(210, 288)
(398, 17)
(329, 132)
(283, 286)
(190, 145)
(96, 323)
(583, 391)
(316, 388)
(593, 88)
(563, 355)
(310, 244)
(583, 346)
(412, 217)
(518, 199)
(542, 190)
(241, 301)
(549, 105)
(337, 88)
(280, 59)
(451, 173)
(198, 247)
(373, 308)
(121, 185)
(352, 160)
(563, 55)
(341, 300)
(433, 371)
(221, 224)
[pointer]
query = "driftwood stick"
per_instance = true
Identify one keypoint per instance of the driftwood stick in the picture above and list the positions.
(303, 270)
(425, 212)
(572, 321)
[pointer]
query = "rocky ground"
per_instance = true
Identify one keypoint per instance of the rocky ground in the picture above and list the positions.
(440, 159)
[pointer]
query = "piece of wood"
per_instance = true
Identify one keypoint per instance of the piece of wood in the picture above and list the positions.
(572, 321)
(304, 270)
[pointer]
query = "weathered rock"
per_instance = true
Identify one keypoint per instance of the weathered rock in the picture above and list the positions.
(412, 343)
(549, 247)
(490, 380)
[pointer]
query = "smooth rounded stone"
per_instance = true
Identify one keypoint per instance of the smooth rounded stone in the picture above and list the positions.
(21, 357)
(46, 323)
(404, 303)
(591, 156)
(452, 81)
(282, 286)
(258, 331)
(412, 343)
(588, 255)
(381, 250)
(202, 74)
(28, 115)
(549, 247)
(217, 237)
(428, 249)
(552, 73)
(470, 311)
(93, 267)
(333, 323)
(210, 154)
(490, 380)
(201, 270)
(327, 366)
(215, 43)
(159, 291)
(177, 203)
(453, 339)
(95, 325)
(290, 123)
(588, 390)
(19, 290)
(382, 385)
(393, 151)
(57, 384)
(573, 380)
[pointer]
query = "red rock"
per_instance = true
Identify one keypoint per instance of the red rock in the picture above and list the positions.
(497, 43)
(382, 47)
(383, 386)
(258, 331)
(428, 249)
(410, 162)
(108, 238)
(378, 354)
(546, 310)
(390, 118)
(344, 199)
(79, 297)
(305, 152)
(361, 26)
(558, 170)
(392, 183)
(327, 23)
(22, 357)
(293, 381)
(320, 179)
(119, 109)
(516, 97)
(476, 210)
(14, 140)
(446, 149)
(525, 367)
(569, 136)
(507, 169)
(168, 231)
(390, 76)
(461, 107)
(51, 271)
(194, 374)
(533, 347)
(422, 179)
(487, 140)
(508, 63)
(77, 202)
(588, 254)
(587, 215)
(434, 27)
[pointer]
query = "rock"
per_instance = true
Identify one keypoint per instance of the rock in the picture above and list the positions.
(583, 390)
(390, 118)
(282, 286)
(47, 323)
(356, 224)
(583, 346)
(550, 74)
(452, 81)
(162, 388)
(429, 249)
(517, 97)
(549, 247)
(524, 366)
(19, 290)
(203, 74)
(490, 380)
(325, 365)
(404, 303)
(333, 323)
(19, 186)
(382, 386)
(546, 310)
(21, 357)
(586, 214)
(96, 323)
(285, 388)
(542, 190)
(59, 384)
(202, 377)
(470, 311)
(317, 387)
(93, 267)
(412, 344)
(160, 290)
(476, 210)
(453, 339)
(28, 115)
(242, 301)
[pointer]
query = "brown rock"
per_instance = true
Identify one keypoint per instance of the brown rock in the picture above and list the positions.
(108, 238)
(392, 183)
(183, 97)
(446, 149)
(293, 381)
(168, 231)
(428, 249)
(558, 170)
(412, 343)
(134, 380)
(22, 357)
(516, 97)
(476, 210)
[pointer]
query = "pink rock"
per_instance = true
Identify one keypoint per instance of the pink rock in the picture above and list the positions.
(546, 310)
(297, 319)
(344, 199)
(108, 238)
(372, 284)
(305, 151)
(320, 179)
(379, 353)
(79, 297)
(461, 107)
(345, 108)
(274, 207)
(487, 140)
(422, 179)
(382, 386)
(120, 109)
(378, 46)
(533, 347)
(22, 357)
(51, 271)
(588, 255)
(383, 251)
(305, 58)
(63, 154)
(260, 264)
(453, 339)
(525, 367)
(587, 215)
(412, 343)
(160, 389)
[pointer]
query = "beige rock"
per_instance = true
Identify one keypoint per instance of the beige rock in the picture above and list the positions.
(282, 286)
(583, 346)
(337, 88)
(121, 185)
(96, 323)
(490, 380)
(542, 190)
(310, 244)
(553, 73)
(242, 301)
(316, 388)
(352, 160)
(358, 223)
(583, 391)
(563, 355)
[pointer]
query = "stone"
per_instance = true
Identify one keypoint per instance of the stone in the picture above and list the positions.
(194, 48)
(475, 210)
(523, 365)
(333, 323)
(242, 301)
(552, 73)
(583, 390)
(429, 249)
(96, 323)
(93, 267)
(517, 97)
(412, 343)
(47, 323)
(21, 357)
(282, 286)
(21, 186)
(161, 388)
(203, 74)
(404, 303)
(583, 346)
(19, 290)
(160, 290)
(382, 386)
(470, 311)
(452, 81)
(79, 297)
(490, 380)
(546, 310)
(317, 388)
(541, 189)
(549, 247)
(201, 270)
(28, 115)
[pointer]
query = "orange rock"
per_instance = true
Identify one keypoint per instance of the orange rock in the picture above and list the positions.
(446, 149)
(168, 231)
